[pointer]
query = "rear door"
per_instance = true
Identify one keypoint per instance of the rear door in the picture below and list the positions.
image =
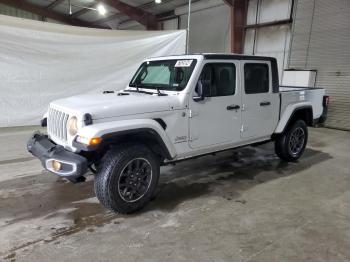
(217, 119)
(260, 106)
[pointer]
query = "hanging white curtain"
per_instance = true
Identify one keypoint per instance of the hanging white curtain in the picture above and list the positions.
(41, 62)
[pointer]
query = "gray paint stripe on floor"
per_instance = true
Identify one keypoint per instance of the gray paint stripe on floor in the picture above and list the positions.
(17, 160)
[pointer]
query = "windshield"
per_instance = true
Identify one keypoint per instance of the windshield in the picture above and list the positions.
(170, 75)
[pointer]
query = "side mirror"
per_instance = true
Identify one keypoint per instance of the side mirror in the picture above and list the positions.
(203, 90)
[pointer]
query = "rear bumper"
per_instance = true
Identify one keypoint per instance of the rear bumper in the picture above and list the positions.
(72, 166)
(323, 117)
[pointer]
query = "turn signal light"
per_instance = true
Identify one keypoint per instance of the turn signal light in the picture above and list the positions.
(95, 141)
(91, 142)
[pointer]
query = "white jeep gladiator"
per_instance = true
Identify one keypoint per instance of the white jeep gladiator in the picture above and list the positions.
(174, 108)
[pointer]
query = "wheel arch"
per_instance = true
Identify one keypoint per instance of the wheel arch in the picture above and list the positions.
(145, 131)
(146, 136)
(304, 113)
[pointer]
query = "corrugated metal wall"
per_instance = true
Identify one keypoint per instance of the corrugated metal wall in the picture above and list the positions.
(321, 41)
(210, 28)
(272, 40)
(9, 10)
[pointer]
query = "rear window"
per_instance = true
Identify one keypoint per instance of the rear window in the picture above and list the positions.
(256, 78)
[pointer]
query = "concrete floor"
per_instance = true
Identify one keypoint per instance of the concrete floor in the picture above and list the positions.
(237, 206)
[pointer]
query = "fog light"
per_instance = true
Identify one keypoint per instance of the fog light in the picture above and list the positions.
(56, 165)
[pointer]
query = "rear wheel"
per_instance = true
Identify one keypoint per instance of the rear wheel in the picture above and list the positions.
(127, 178)
(291, 144)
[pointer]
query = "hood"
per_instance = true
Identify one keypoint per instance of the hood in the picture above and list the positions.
(114, 105)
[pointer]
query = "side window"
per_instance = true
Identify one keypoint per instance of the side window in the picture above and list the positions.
(222, 78)
(256, 78)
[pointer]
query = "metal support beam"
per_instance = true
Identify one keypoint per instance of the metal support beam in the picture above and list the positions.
(229, 2)
(44, 12)
(273, 23)
(107, 19)
(54, 4)
(82, 11)
(147, 19)
(238, 21)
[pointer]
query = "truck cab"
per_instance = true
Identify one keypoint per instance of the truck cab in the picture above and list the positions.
(174, 108)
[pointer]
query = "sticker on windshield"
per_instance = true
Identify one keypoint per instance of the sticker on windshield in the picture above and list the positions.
(183, 63)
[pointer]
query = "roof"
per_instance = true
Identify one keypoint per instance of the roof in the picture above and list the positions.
(237, 57)
(219, 56)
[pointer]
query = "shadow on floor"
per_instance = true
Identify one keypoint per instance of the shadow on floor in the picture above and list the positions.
(209, 175)
(223, 175)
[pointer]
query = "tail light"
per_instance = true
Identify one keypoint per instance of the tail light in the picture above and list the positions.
(326, 101)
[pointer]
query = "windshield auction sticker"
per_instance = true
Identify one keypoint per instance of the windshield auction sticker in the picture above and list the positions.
(183, 63)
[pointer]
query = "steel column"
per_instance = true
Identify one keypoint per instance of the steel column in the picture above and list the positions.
(238, 10)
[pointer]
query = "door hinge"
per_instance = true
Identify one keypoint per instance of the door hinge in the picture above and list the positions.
(242, 129)
(194, 138)
(243, 107)
(192, 114)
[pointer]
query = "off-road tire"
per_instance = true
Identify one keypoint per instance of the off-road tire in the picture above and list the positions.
(283, 144)
(112, 167)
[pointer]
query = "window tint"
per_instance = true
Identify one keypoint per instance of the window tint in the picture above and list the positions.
(222, 78)
(256, 78)
(172, 75)
(157, 74)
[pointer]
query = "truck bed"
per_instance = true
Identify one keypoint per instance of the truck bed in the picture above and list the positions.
(309, 96)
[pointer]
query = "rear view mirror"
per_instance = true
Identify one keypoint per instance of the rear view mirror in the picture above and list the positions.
(179, 75)
(203, 90)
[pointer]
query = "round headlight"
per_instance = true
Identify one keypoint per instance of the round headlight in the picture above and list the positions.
(72, 126)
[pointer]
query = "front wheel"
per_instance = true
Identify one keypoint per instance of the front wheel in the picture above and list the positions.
(127, 178)
(291, 144)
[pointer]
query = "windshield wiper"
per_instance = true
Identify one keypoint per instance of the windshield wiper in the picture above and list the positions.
(138, 91)
(137, 86)
(158, 91)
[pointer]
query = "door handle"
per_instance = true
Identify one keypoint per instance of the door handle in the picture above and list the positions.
(233, 107)
(265, 103)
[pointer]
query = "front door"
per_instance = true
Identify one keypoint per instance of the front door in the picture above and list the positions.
(217, 119)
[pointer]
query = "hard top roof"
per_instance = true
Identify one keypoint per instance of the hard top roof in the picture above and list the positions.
(218, 56)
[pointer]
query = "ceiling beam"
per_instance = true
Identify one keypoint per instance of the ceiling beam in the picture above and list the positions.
(42, 11)
(229, 2)
(83, 11)
(107, 19)
(147, 19)
(144, 6)
(54, 4)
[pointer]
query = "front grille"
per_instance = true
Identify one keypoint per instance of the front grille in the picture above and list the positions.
(57, 124)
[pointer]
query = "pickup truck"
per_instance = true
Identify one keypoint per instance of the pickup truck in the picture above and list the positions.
(174, 108)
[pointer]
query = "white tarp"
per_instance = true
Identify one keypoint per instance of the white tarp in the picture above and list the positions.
(41, 62)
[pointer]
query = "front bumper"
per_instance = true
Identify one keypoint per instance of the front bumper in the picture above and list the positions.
(72, 166)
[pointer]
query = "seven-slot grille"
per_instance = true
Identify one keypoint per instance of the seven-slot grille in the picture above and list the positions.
(57, 124)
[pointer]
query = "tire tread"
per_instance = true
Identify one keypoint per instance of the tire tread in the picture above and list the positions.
(109, 162)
